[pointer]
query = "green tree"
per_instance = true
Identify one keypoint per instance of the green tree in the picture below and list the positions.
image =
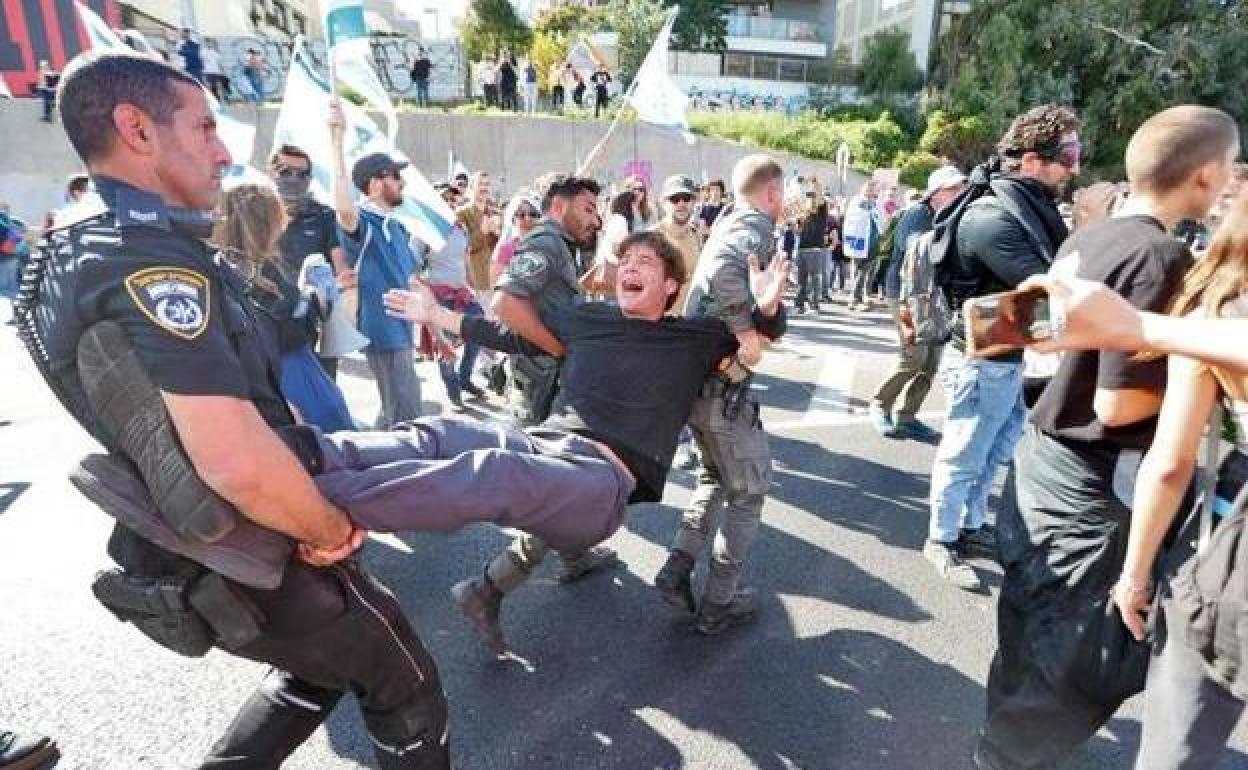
(569, 21)
(889, 70)
(636, 23)
(701, 25)
(1115, 61)
(963, 141)
(492, 26)
(546, 52)
(916, 167)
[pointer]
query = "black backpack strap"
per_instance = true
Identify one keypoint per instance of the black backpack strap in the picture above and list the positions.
(1040, 242)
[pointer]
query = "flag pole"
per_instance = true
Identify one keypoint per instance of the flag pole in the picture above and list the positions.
(592, 157)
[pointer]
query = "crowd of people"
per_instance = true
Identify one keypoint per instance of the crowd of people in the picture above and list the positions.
(195, 332)
(507, 83)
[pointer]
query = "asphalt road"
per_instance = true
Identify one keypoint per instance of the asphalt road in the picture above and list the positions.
(861, 658)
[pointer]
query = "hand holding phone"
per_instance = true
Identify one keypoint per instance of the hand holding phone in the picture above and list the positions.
(999, 323)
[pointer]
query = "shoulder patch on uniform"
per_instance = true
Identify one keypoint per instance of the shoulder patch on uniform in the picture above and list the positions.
(527, 264)
(174, 298)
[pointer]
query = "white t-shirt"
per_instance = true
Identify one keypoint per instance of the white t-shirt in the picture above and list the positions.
(613, 234)
(212, 61)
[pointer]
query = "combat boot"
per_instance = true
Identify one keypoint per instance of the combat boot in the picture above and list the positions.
(716, 618)
(482, 604)
(674, 583)
(573, 567)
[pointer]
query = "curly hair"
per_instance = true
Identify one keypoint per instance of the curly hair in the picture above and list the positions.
(1037, 130)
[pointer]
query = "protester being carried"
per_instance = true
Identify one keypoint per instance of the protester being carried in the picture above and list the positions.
(632, 373)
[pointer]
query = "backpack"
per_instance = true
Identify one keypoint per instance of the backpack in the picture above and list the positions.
(922, 292)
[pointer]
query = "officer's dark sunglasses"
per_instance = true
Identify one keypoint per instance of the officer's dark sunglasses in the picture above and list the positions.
(392, 174)
(681, 198)
(287, 172)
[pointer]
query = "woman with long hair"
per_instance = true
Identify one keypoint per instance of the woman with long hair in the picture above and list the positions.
(522, 214)
(619, 224)
(643, 212)
(251, 219)
(1189, 713)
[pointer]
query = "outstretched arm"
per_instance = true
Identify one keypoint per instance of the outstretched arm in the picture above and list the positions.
(420, 306)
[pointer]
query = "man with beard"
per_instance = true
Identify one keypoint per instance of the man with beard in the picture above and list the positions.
(679, 193)
(1009, 232)
(540, 282)
(380, 249)
(313, 228)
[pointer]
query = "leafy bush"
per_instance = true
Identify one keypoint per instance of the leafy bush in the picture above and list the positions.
(916, 167)
(872, 142)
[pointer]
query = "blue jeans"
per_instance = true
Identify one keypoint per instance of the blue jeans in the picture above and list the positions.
(422, 92)
(983, 424)
(257, 88)
(454, 380)
(8, 277)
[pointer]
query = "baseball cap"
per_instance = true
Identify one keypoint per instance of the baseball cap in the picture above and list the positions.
(371, 166)
(945, 176)
(679, 184)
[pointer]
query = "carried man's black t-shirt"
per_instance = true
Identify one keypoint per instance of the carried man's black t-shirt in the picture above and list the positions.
(626, 382)
(1136, 257)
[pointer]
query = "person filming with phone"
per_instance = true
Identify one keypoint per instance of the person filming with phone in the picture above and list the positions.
(1064, 661)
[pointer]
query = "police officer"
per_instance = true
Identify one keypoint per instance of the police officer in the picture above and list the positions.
(127, 315)
(736, 460)
(540, 280)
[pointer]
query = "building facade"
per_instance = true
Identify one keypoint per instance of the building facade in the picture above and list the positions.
(922, 20)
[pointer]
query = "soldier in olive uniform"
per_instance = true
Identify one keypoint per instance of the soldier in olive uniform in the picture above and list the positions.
(736, 460)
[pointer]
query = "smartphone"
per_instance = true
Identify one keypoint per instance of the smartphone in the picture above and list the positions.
(999, 323)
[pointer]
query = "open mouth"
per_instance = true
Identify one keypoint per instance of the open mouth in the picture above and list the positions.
(629, 287)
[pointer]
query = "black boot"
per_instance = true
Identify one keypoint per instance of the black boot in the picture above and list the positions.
(674, 584)
(482, 604)
(716, 618)
(277, 718)
(26, 752)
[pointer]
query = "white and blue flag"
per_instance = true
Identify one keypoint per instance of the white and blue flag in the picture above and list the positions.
(303, 123)
(654, 95)
(351, 57)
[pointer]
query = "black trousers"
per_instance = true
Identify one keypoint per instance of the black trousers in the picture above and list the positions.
(1064, 661)
(327, 632)
(810, 263)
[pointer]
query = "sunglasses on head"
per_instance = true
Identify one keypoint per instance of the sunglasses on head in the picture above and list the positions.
(286, 172)
(681, 198)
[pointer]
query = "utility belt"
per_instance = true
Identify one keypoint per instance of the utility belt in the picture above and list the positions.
(186, 614)
(735, 394)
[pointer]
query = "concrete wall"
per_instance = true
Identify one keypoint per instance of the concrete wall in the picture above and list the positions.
(36, 158)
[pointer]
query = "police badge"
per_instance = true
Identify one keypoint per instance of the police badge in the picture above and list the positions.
(176, 299)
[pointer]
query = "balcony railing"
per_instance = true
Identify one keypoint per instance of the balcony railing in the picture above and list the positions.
(769, 28)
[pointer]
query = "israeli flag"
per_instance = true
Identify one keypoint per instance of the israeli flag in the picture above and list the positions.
(654, 95)
(303, 123)
(351, 57)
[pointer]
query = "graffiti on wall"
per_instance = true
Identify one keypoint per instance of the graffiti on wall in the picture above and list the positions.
(35, 30)
(393, 57)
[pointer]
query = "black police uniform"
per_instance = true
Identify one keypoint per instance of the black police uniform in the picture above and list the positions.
(326, 631)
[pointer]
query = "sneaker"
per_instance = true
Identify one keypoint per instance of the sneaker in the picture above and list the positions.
(30, 752)
(980, 542)
(130, 411)
(715, 618)
(472, 390)
(575, 567)
(944, 557)
(674, 584)
(686, 457)
(481, 603)
(908, 427)
(882, 423)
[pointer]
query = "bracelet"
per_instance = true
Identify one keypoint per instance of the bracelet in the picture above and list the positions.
(1133, 588)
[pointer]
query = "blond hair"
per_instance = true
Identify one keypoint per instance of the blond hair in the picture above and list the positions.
(1168, 147)
(250, 222)
(753, 172)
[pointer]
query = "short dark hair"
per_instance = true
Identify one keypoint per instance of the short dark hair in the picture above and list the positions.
(566, 186)
(292, 151)
(96, 82)
(718, 183)
(1037, 130)
(78, 183)
(673, 263)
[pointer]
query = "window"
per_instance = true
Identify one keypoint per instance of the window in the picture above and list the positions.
(765, 67)
(791, 69)
(737, 65)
